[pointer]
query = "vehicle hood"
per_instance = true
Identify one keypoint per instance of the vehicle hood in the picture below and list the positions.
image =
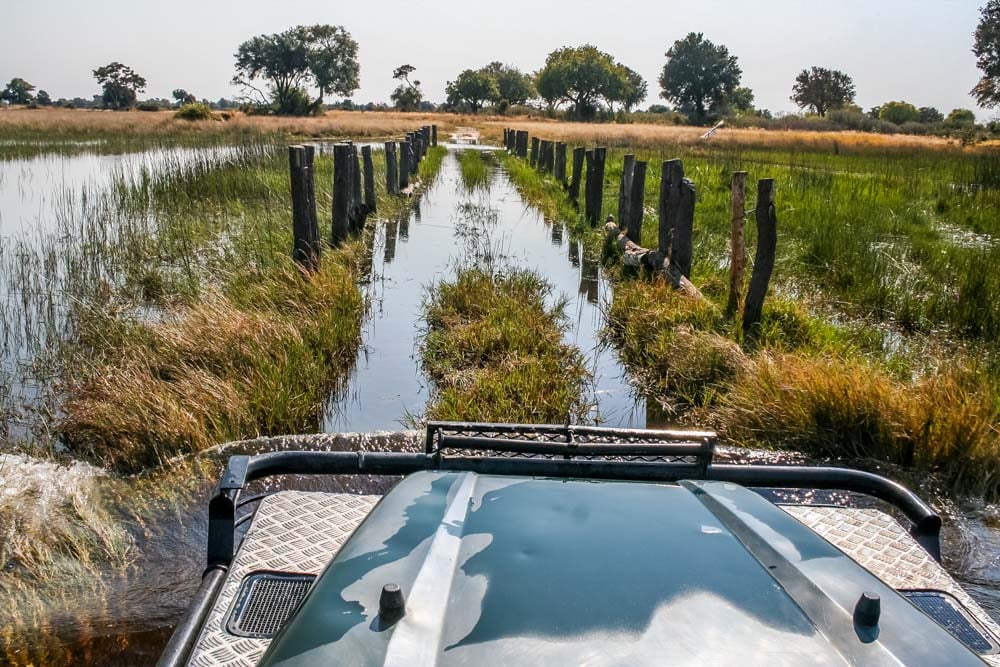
(503, 570)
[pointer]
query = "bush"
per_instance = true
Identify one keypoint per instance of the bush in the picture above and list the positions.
(148, 106)
(194, 111)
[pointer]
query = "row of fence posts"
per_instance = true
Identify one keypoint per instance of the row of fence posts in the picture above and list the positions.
(353, 188)
(676, 207)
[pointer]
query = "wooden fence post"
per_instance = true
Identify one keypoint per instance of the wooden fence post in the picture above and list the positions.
(534, 151)
(369, 174)
(636, 202)
(506, 138)
(559, 169)
(305, 247)
(671, 173)
(574, 182)
(625, 192)
(597, 185)
(414, 154)
(357, 203)
(434, 135)
(522, 144)
(405, 155)
(391, 169)
(588, 187)
(763, 265)
(543, 155)
(342, 184)
(737, 252)
(317, 247)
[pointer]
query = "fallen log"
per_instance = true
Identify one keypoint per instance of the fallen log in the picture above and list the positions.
(653, 261)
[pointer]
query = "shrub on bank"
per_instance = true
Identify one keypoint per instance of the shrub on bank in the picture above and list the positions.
(194, 111)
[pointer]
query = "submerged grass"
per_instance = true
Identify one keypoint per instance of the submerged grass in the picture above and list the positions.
(879, 337)
(495, 352)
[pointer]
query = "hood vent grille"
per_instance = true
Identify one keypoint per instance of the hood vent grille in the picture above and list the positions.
(949, 614)
(265, 601)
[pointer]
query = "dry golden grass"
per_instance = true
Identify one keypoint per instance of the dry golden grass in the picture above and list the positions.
(639, 135)
(84, 122)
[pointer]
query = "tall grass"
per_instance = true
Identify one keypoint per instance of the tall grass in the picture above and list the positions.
(495, 352)
(879, 337)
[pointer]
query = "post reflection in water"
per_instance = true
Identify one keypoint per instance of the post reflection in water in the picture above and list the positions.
(589, 277)
(557, 234)
(391, 230)
(574, 252)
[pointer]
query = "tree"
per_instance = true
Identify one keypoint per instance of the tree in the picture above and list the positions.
(18, 91)
(579, 76)
(183, 97)
(407, 96)
(699, 76)
(822, 89)
(899, 113)
(472, 87)
(741, 100)
(320, 56)
(121, 84)
(632, 88)
(961, 118)
(43, 99)
(513, 86)
(930, 115)
(987, 52)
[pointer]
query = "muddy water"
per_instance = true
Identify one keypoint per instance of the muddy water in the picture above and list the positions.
(452, 224)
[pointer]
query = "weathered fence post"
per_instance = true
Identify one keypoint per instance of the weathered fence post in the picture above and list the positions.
(588, 188)
(546, 155)
(357, 203)
(763, 265)
(522, 144)
(737, 253)
(636, 202)
(425, 143)
(434, 135)
(506, 138)
(305, 248)
(534, 151)
(414, 154)
(625, 191)
(369, 174)
(342, 184)
(391, 169)
(595, 189)
(676, 216)
(574, 181)
(405, 155)
(559, 169)
(543, 147)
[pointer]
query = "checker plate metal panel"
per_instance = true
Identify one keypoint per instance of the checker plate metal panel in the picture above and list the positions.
(293, 531)
(878, 543)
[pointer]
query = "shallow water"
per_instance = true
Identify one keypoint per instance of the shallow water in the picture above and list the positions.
(451, 224)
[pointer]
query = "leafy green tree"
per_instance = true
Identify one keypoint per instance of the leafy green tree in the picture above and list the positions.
(741, 100)
(513, 86)
(320, 56)
(822, 89)
(121, 84)
(183, 97)
(18, 91)
(631, 88)
(899, 113)
(930, 115)
(473, 88)
(580, 76)
(407, 96)
(961, 118)
(987, 51)
(43, 99)
(699, 76)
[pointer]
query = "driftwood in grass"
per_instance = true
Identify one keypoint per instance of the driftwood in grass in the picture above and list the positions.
(653, 261)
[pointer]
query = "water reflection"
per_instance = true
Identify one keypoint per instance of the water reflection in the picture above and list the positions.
(451, 224)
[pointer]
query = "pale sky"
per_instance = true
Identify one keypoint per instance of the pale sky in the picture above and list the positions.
(916, 50)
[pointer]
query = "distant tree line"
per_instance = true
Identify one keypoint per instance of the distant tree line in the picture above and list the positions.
(295, 72)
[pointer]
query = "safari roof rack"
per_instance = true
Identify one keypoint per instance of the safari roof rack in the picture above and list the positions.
(571, 451)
